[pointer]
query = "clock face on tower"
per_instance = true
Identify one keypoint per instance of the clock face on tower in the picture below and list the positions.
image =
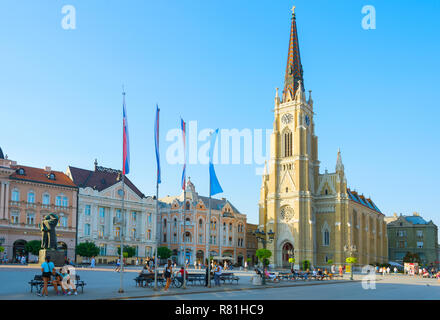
(307, 120)
(287, 118)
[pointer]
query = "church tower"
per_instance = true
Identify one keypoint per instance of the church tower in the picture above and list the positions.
(286, 201)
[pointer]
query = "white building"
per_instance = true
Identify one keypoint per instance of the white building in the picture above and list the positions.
(100, 213)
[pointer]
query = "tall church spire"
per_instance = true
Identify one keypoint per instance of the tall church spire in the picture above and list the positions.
(294, 70)
(339, 165)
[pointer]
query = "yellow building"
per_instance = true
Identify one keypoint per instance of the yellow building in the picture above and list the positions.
(314, 216)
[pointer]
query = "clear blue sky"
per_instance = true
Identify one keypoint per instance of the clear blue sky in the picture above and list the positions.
(376, 92)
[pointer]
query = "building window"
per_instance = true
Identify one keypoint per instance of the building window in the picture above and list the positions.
(15, 217)
(87, 229)
(102, 212)
(326, 238)
(187, 221)
(175, 238)
(117, 232)
(200, 238)
(30, 218)
(419, 233)
(118, 214)
(401, 233)
(175, 222)
(31, 197)
(230, 227)
(402, 244)
(46, 199)
(87, 210)
(149, 218)
(164, 237)
(15, 195)
(103, 250)
(133, 216)
(64, 222)
(134, 233)
(230, 241)
(287, 143)
(187, 237)
(420, 244)
(149, 234)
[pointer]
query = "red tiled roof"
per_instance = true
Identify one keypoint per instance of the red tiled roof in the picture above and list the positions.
(42, 176)
(100, 179)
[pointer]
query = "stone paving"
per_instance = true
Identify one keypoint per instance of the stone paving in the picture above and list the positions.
(104, 282)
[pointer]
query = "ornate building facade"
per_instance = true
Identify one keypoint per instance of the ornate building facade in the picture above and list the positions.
(227, 234)
(314, 216)
(27, 195)
(100, 213)
(412, 234)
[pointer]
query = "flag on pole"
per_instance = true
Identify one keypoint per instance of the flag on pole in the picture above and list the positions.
(156, 139)
(126, 146)
(183, 126)
(213, 181)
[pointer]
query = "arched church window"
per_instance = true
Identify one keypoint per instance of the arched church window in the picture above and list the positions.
(287, 190)
(287, 143)
(326, 237)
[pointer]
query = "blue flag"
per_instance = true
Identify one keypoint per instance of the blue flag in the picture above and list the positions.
(156, 140)
(213, 181)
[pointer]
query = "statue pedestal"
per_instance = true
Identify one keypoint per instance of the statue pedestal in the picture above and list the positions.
(56, 256)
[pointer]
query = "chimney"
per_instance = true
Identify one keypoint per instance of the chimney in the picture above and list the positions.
(47, 169)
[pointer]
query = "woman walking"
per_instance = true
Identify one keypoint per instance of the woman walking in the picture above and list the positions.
(167, 274)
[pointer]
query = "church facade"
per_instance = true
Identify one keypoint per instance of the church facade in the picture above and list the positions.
(315, 217)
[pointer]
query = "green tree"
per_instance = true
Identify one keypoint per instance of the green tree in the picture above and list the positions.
(263, 255)
(2, 249)
(128, 252)
(164, 252)
(330, 261)
(87, 249)
(306, 264)
(411, 257)
(33, 247)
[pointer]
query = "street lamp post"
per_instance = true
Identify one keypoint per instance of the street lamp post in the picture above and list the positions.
(350, 250)
(262, 237)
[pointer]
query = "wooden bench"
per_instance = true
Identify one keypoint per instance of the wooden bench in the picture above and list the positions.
(229, 276)
(147, 280)
(38, 283)
(194, 278)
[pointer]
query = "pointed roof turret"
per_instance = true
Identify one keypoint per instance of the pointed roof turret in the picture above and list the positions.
(339, 164)
(1, 154)
(294, 70)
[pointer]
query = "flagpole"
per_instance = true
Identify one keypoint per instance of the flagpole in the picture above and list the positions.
(209, 237)
(157, 239)
(184, 204)
(158, 180)
(121, 271)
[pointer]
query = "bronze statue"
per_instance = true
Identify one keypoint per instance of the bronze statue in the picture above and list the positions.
(49, 236)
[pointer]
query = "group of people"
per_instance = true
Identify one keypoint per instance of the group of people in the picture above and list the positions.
(60, 278)
(167, 274)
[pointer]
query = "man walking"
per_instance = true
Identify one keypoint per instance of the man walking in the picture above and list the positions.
(217, 274)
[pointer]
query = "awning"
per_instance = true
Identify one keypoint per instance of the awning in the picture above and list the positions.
(395, 264)
(222, 258)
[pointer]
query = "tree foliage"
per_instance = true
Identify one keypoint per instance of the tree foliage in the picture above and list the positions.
(305, 264)
(87, 249)
(411, 257)
(128, 252)
(330, 261)
(263, 255)
(2, 249)
(164, 252)
(33, 247)
(351, 260)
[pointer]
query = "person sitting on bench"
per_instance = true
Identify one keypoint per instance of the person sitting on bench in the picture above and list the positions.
(271, 276)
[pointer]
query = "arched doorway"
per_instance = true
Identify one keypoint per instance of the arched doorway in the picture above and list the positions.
(287, 252)
(240, 260)
(18, 249)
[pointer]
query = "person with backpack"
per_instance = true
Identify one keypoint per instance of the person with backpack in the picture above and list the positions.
(217, 273)
(168, 271)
